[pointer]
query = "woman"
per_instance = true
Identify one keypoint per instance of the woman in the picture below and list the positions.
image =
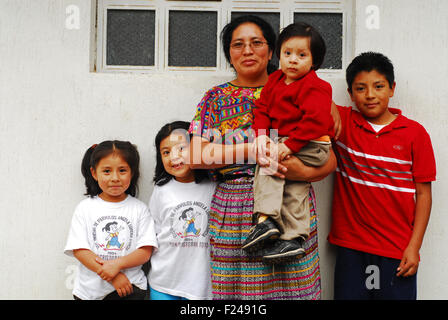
(220, 135)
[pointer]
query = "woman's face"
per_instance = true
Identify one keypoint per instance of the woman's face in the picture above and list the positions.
(249, 61)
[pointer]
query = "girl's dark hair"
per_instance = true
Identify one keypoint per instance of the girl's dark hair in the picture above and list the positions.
(95, 153)
(266, 29)
(302, 29)
(162, 177)
(369, 61)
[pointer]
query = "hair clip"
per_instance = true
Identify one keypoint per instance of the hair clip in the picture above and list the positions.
(93, 146)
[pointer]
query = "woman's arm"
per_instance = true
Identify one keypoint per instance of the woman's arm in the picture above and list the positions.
(208, 155)
(297, 171)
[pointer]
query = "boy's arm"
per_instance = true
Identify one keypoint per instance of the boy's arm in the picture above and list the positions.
(109, 269)
(336, 119)
(410, 261)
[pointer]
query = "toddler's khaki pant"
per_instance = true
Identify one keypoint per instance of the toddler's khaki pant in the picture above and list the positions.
(286, 202)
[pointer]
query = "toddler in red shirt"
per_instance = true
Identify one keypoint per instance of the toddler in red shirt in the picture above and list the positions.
(296, 104)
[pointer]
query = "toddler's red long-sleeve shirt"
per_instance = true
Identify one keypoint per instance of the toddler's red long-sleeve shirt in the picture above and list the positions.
(299, 110)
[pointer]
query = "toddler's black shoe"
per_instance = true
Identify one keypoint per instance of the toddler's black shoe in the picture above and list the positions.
(259, 234)
(283, 251)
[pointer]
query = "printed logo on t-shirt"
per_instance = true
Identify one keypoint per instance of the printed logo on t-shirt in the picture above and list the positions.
(112, 235)
(189, 222)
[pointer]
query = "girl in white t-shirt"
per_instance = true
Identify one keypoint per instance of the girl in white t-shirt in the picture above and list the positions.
(112, 233)
(180, 266)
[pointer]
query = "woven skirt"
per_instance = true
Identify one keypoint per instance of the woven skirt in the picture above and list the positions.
(239, 276)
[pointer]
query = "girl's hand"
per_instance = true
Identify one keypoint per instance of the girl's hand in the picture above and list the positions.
(122, 284)
(109, 269)
(409, 263)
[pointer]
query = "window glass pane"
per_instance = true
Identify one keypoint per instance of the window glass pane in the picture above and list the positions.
(130, 37)
(329, 26)
(273, 18)
(192, 40)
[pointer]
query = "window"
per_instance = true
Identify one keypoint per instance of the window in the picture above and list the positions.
(182, 35)
(190, 44)
(130, 37)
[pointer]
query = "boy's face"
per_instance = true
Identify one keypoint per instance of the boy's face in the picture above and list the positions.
(371, 93)
(296, 59)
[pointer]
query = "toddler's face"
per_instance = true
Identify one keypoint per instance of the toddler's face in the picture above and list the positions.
(295, 58)
(371, 93)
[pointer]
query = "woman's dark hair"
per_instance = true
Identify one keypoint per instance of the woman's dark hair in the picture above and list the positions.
(95, 153)
(266, 29)
(302, 29)
(162, 177)
(369, 61)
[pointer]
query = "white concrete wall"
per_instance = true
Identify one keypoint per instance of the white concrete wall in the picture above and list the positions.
(52, 108)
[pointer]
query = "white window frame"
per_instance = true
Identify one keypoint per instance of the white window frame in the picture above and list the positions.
(224, 9)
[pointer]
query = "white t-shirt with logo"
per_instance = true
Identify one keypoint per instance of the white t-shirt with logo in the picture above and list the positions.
(181, 264)
(110, 230)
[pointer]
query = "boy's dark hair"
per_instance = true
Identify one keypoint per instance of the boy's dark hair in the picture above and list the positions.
(302, 29)
(95, 153)
(162, 177)
(266, 29)
(369, 61)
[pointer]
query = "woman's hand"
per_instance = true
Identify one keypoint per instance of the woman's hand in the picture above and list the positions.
(296, 170)
(270, 166)
(262, 146)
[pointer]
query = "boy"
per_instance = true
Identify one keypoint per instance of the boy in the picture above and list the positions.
(297, 103)
(382, 193)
